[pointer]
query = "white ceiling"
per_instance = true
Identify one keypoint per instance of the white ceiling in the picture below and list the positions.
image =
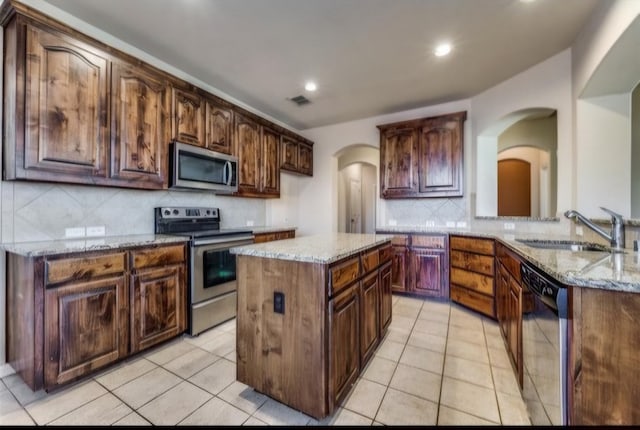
(369, 57)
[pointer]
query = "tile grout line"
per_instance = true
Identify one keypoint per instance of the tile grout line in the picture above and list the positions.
(444, 362)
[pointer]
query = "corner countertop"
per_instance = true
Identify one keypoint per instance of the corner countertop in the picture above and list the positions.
(68, 246)
(589, 269)
(321, 248)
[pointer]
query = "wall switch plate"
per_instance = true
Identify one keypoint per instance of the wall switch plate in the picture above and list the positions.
(461, 224)
(451, 224)
(97, 230)
(74, 232)
(393, 222)
(278, 302)
(430, 223)
(250, 223)
(509, 226)
(579, 230)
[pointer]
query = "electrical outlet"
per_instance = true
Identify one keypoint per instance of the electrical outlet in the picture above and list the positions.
(461, 224)
(97, 230)
(509, 226)
(451, 224)
(393, 222)
(579, 231)
(250, 223)
(74, 232)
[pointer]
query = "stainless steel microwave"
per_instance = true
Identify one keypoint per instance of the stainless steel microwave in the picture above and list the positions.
(198, 168)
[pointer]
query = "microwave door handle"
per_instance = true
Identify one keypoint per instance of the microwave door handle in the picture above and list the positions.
(228, 173)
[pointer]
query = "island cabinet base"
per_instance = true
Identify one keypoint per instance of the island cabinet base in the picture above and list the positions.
(306, 330)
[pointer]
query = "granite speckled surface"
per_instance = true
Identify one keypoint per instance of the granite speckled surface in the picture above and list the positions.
(321, 248)
(56, 247)
(590, 269)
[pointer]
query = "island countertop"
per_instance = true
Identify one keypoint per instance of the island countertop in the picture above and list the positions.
(321, 248)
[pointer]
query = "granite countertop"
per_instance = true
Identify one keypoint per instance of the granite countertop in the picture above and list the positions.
(590, 269)
(321, 248)
(68, 246)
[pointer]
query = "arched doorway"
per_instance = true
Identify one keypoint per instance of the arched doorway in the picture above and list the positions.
(357, 192)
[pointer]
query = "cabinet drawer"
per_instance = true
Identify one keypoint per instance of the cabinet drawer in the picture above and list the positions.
(474, 262)
(402, 240)
(150, 257)
(475, 281)
(73, 269)
(385, 253)
(479, 246)
(370, 260)
(509, 261)
(344, 273)
(428, 241)
(473, 300)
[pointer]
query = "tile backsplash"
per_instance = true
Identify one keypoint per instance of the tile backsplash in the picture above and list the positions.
(33, 211)
(419, 211)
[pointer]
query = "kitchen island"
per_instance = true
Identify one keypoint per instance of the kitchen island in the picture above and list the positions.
(311, 313)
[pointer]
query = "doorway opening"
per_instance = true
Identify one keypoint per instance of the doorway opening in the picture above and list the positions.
(357, 194)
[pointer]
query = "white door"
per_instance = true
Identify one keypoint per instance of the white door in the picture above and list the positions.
(355, 206)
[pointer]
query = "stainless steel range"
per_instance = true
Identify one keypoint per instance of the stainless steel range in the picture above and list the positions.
(212, 269)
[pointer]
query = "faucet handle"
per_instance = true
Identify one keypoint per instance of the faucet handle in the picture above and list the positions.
(615, 216)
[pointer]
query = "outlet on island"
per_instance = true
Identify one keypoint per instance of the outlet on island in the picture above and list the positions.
(278, 302)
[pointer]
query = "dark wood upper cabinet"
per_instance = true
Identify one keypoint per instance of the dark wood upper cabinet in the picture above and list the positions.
(187, 117)
(270, 171)
(296, 156)
(422, 158)
(62, 131)
(219, 128)
(76, 110)
(247, 135)
(139, 136)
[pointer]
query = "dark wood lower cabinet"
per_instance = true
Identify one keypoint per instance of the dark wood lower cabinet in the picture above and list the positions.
(369, 314)
(85, 328)
(68, 315)
(385, 297)
(428, 271)
(344, 347)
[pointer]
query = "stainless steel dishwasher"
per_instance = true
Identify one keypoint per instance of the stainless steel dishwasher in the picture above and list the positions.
(544, 343)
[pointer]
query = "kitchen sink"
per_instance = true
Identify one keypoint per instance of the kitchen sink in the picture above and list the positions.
(569, 245)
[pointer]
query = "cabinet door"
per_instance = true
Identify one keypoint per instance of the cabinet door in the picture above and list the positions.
(289, 154)
(344, 344)
(398, 269)
(440, 157)
(247, 140)
(269, 163)
(369, 314)
(86, 327)
(65, 109)
(398, 162)
(157, 306)
(502, 304)
(187, 117)
(427, 272)
(219, 128)
(139, 138)
(385, 297)
(305, 159)
(515, 327)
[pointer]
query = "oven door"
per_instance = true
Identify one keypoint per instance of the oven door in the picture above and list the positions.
(214, 267)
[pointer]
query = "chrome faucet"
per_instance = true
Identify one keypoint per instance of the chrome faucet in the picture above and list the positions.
(616, 237)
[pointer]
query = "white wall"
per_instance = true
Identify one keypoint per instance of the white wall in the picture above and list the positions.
(545, 85)
(604, 155)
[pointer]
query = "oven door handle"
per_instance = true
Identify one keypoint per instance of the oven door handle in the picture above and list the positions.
(229, 240)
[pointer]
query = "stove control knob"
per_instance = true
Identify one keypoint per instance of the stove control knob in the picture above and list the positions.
(175, 212)
(208, 212)
(167, 211)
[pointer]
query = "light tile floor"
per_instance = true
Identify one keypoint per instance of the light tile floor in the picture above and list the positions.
(438, 364)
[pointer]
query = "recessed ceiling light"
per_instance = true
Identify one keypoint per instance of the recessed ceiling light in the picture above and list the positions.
(442, 49)
(310, 86)
(527, 1)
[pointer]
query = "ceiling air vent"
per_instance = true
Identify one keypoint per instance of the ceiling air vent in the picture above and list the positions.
(300, 100)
